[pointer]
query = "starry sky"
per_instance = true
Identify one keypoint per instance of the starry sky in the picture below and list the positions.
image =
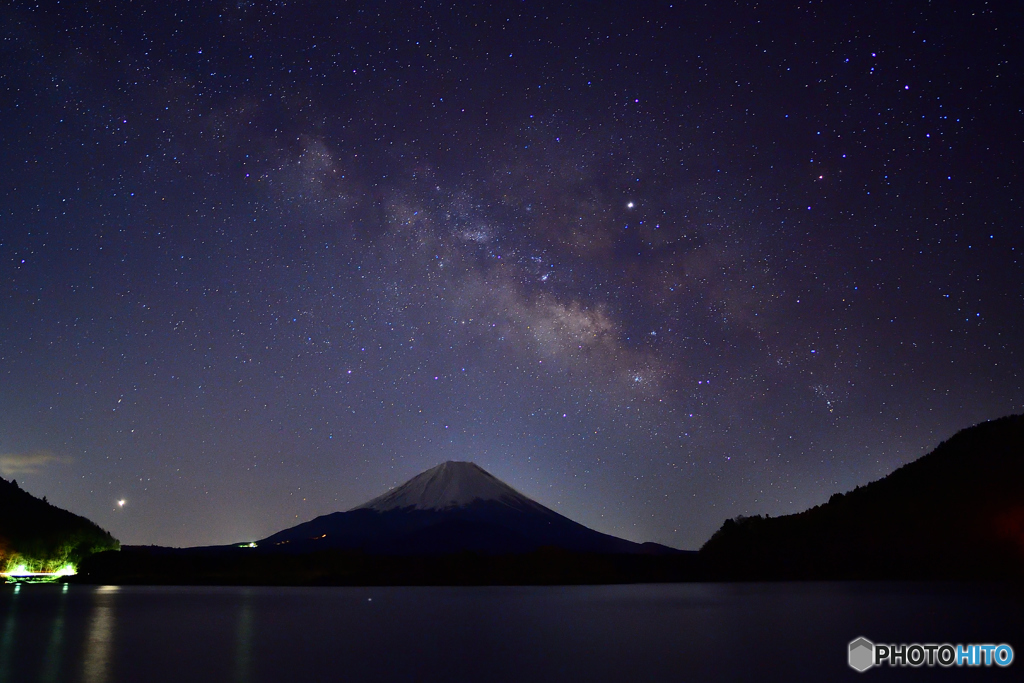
(654, 264)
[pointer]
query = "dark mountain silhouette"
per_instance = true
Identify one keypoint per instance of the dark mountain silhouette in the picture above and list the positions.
(44, 537)
(957, 512)
(454, 507)
(454, 524)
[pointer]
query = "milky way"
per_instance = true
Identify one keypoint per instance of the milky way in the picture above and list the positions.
(653, 264)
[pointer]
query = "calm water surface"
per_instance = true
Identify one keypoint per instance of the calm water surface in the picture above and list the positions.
(680, 632)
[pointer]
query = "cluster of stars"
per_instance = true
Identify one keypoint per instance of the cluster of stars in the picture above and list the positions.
(662, 265)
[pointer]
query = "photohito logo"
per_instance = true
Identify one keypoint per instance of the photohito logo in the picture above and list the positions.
(863, 654)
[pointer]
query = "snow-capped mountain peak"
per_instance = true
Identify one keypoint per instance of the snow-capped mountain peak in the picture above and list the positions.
(449, 485)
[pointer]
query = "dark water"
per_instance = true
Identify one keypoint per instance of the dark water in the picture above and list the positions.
(687, 632)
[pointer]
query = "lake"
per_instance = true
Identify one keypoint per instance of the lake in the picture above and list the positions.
(667, 632)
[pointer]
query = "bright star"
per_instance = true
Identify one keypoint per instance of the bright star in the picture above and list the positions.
(629, 205)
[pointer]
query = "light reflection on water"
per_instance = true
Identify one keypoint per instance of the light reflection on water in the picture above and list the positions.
(100, 636)
(54, 650)
(243, 639)
(7, 639)
(701, 632)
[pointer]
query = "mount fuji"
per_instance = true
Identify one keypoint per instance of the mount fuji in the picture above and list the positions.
(452, 508)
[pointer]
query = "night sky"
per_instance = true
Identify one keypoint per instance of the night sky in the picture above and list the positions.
(653, 264)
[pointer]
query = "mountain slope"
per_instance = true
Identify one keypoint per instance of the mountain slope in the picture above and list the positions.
(454, 507)
(957, 512)
(43, 537)
(454, 524)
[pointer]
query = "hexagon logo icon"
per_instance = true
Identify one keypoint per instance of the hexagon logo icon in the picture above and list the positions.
(862, 654)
